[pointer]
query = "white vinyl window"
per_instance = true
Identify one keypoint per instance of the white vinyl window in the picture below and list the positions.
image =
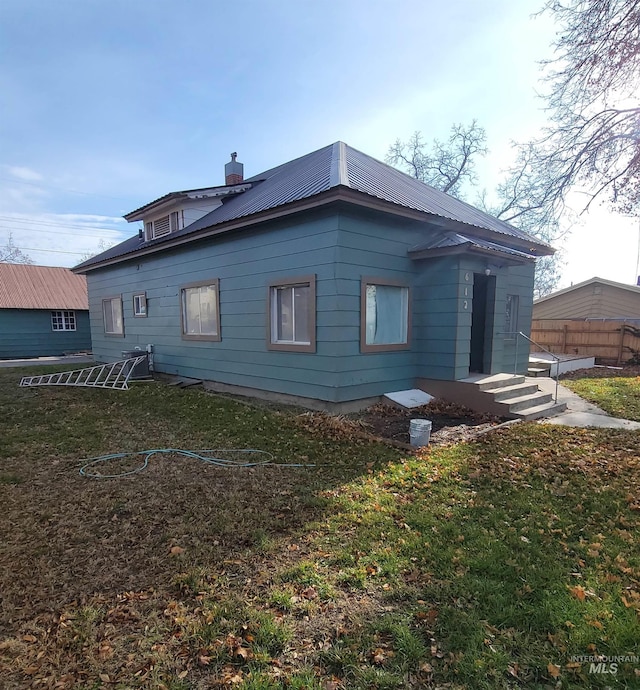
(386, 315)
(63, 320)
(140, 304)
(292, 315)
(200, 311)
(112, 313)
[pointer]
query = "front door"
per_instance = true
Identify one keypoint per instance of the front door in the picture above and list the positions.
(481, 322)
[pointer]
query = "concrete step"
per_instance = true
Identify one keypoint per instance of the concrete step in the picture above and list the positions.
(541, 411)
(538, 371)
(515, 405)
(499, 381)
(508, 392)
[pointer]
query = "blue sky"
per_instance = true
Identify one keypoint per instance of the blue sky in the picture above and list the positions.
(108, 104)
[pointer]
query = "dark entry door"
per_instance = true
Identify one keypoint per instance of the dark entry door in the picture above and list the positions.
(481, 320)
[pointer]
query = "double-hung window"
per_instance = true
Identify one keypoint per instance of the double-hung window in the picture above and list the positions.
(200, 310)
(384, 315)
(112, 314)
(63, 320)
(292, 315)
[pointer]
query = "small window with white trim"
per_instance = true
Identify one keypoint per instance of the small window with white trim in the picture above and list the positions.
(63, 320)
(384, 318)
(140, 304)
(292, 315)
(112, 313)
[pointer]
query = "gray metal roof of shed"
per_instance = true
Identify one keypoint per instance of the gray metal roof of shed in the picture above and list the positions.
(334, 167)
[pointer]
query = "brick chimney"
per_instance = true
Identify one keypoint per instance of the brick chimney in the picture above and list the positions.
(233, 171)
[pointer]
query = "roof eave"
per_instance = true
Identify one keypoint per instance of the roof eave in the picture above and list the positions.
(470, 248)
(332, 195)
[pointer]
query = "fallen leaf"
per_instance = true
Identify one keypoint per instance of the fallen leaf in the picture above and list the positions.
(553, 670)
(578, 592)
(243, 652)
(176, 550)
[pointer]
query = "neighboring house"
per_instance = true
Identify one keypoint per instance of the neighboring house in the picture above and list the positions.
(597, 318)
(332, 278)
(43, 311)
(593, 299)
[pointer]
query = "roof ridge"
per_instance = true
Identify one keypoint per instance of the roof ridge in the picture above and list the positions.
(339, 175)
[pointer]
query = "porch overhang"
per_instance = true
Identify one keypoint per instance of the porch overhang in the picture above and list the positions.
(454, 244)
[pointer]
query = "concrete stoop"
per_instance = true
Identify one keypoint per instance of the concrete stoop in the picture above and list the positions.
(518, 399)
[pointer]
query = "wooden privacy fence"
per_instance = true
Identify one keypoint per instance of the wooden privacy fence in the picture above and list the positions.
(610, 341)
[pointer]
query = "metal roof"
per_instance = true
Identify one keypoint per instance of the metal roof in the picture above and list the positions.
(452, 240)
(23, 286)
(337, 166)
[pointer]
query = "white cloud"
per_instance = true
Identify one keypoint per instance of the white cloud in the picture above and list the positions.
(23, 173)
(52, 239)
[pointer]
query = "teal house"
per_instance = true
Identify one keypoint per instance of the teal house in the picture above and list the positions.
(44, 311)
(329, 280)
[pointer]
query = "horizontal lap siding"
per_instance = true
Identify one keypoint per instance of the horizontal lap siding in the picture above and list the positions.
(370, 247)
(591, 301)
(511, 354)
(28, 333)
(245, 264)
(438, 331)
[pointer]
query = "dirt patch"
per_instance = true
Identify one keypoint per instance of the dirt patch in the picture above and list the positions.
(630, 371)
(450, 422)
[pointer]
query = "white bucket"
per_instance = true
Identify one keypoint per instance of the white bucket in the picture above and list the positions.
(419, 432)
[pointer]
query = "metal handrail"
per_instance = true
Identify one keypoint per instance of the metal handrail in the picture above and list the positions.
(544, 349)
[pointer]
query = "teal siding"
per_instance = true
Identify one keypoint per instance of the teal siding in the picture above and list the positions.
(339, 248)
(28, 333)
(245, 264)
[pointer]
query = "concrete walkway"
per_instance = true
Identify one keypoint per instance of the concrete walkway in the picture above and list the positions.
(46, 361)
(579, 411)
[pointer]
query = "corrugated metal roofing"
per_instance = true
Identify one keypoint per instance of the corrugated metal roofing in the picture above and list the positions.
(41, 287)
(455, 239)
(336, 165)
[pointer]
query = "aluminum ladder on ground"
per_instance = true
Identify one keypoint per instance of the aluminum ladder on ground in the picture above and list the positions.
(113, 375)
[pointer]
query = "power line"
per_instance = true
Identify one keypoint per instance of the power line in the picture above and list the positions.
(11, 219)
(51, 232)
(52, 251)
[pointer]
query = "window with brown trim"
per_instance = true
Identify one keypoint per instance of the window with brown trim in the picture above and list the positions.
(112, 314)
(292, 315)
(384, 315)
(200, 310)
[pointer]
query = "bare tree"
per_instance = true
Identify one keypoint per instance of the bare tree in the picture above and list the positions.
(103, 245)
(10, 254)
(593, 140)
(520, 199)
(446, 165)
